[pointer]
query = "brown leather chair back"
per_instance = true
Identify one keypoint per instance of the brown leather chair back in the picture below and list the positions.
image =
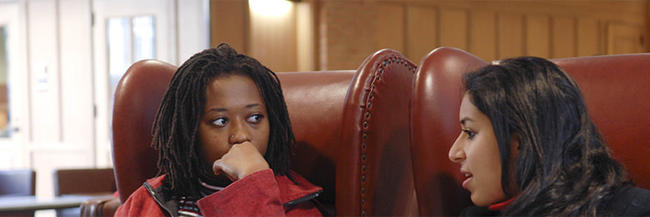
(374, 174)
(314, 99)
(615, 89)
(617, 92)
(351, 131)
(137, 98)
(96, 181)
(437, 93)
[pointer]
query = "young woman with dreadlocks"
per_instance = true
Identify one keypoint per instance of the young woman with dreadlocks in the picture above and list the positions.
(224, 139)
(529, 148)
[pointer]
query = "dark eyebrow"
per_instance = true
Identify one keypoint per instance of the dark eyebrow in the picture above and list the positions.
(217, 110)
(224, 109)
(465, 120)
(253, 105)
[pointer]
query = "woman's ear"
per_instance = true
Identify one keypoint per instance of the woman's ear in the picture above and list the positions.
(514, 144)
(515, 148)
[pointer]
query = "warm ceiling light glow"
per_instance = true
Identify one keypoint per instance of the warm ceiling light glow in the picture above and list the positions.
(272, 8)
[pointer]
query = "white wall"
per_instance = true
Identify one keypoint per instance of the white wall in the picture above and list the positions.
(76, 67)
(60, 79)
(61, 113)
(44, 70)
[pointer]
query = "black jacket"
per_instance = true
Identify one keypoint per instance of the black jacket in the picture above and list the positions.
(628, 201)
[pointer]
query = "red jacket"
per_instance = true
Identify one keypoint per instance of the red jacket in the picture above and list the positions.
(258, 194)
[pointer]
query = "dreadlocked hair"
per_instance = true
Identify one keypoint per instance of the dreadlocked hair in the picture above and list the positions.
(175, 131)
(564, 168)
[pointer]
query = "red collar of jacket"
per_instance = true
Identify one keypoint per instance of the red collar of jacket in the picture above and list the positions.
(289, 189)
(500, 206)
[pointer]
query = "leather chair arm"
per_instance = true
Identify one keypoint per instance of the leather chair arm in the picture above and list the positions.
(100, 207)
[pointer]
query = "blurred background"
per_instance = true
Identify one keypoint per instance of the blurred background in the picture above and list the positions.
(60, 60)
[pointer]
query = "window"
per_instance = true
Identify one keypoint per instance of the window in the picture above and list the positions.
(4, 93)
(130, 39)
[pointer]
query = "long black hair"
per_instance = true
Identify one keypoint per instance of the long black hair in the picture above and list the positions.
(564, 168)
(175, 132)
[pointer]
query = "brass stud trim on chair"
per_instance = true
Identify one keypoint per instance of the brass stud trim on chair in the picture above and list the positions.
(365, 122)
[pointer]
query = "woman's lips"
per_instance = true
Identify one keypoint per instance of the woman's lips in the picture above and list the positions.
(468, 177)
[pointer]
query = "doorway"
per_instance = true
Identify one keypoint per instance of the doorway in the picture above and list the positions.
(125, 32)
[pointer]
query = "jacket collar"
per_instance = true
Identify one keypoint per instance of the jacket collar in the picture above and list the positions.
(296, 189)
(293, 190)
(500, 206)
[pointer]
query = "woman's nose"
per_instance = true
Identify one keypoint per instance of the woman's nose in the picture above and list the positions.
(456, 152)
(238, 133)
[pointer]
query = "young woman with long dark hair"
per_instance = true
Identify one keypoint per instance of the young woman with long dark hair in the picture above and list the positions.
(224, 141)
(529, 148)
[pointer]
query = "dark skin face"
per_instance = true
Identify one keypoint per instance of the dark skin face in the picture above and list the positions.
(234, 128)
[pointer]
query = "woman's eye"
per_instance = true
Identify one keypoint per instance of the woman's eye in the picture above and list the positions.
(256, 118)
(469, 133)
(220, 122)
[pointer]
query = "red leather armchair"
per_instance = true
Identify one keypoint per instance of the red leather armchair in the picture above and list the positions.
(314, 99)
(615, 88)
(437, 93)
(374, 173)
(350, 127)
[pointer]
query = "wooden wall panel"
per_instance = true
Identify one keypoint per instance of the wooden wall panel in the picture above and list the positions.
(589, 37)
(355, 30)
(346, 35)
(389, 28)
(453, 28)
(421, 29)
(622, 38)
(305, 41)
(510, 35)
(229, 23)
(345, 32)
(564, 37)
(538, 36)
(482, 33)
(273, 41)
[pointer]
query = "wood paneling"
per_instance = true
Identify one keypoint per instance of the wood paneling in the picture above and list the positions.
(389, 29)
(538, 36)
(564, 37)
(345, 32)
(510, 35)
(589, 37)
(229, 23)
(273, 41)
(622, 38)
(305, 42)
(421, 29)
(453, 28)
(482, 33)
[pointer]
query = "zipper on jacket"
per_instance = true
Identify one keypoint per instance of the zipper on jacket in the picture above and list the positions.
(155, 198)
(302, 199)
